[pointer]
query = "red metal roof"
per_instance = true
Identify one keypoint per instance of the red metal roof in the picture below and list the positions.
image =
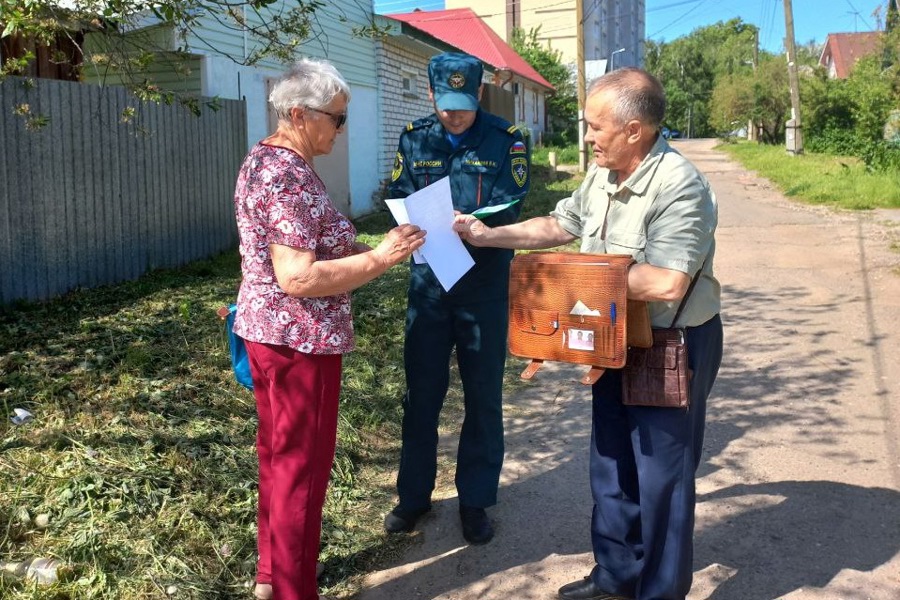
(844, 49)
(462, 28)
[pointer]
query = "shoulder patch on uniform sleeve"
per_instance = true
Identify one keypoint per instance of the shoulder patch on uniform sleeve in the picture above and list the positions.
(519, 168)
(398, 167)
(518, 148)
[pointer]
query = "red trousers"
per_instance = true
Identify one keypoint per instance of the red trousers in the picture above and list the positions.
(297, 401)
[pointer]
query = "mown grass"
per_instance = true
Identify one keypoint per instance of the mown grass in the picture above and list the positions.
(818, 178)
(141, 452)
(567, 155)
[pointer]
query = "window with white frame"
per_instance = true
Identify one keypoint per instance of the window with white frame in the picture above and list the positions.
(409, 83)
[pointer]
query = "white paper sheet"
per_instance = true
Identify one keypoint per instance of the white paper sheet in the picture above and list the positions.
(581, 309)
(431, 208)
(397, 207)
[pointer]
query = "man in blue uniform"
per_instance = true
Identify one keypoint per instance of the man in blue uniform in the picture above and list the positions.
(488, 164)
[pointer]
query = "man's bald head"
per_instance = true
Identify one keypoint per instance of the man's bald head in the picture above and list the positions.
(638, 95)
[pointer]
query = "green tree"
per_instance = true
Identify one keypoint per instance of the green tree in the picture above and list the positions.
(760, 96)
(808, 54)
(873, 96)
(826, 104)
(856, 107)
(850, 116)
(562, 106)
(689, 66)
(687, 76)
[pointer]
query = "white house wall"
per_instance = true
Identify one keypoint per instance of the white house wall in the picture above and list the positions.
(224, 48)
(225, 79)
(332, 39)
(530, 109)
(362, 127)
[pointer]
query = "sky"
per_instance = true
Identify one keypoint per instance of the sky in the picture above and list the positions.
(671, 19)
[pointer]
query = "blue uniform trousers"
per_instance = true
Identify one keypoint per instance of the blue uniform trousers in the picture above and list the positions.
(643, 462)
(478, 331)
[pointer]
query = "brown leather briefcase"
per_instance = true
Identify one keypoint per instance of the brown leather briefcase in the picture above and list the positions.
(572, 307)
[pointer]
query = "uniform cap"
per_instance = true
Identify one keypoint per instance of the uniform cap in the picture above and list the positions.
(455, 79)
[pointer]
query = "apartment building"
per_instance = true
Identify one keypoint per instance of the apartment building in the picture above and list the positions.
(614, 30)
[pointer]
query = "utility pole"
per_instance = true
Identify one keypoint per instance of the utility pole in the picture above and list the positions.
(755, 48)
(793, 129)
(751, 126)
(579, 64)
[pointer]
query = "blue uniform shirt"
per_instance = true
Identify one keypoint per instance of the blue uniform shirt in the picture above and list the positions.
(490, 165)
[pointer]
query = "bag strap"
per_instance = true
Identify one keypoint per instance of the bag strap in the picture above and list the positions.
(687, 294)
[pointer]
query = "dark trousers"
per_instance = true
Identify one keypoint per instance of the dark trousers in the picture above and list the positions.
(297, 401)
(478, 331)
(643, 462)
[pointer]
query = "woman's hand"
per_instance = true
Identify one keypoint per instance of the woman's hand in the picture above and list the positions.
(471, 230)
(399, 243)
(300, 274)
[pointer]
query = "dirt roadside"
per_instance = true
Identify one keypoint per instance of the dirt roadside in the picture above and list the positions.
(799, 490)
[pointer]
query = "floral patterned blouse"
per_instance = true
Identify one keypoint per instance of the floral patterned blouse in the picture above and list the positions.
(279, 199)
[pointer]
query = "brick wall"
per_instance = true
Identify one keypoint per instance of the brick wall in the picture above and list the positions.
(399, 106)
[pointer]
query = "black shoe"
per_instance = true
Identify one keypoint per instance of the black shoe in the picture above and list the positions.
(475, 525)
(586, 589)
(403, 521)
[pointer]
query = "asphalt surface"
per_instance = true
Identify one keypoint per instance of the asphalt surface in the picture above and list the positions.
(799, 489)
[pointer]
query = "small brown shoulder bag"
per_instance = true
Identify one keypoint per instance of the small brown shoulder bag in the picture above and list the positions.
(659, 375)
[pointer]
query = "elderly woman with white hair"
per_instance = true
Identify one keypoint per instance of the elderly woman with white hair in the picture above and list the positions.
(299, 259)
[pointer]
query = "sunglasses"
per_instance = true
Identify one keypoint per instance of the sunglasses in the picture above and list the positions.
(338, 120)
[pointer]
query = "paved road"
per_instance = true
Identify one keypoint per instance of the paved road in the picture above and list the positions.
(799, 490)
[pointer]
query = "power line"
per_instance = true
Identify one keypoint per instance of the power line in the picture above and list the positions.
(673, 5)
(595, 4)
(771, 19)
(684, 16)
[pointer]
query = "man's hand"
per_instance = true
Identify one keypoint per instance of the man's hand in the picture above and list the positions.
(471, 230)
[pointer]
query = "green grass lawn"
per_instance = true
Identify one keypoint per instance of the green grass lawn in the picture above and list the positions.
(141, 454)
(819, 178)
(567, 155)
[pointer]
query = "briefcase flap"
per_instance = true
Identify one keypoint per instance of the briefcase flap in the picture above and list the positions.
(572, 307)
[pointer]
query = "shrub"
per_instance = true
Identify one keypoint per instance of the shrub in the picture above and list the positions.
(878, 155)
(881, 156)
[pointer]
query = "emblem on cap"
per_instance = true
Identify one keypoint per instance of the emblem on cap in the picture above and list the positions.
(457, 80)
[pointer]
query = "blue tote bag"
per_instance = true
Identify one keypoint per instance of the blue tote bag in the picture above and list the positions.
(240, 362)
